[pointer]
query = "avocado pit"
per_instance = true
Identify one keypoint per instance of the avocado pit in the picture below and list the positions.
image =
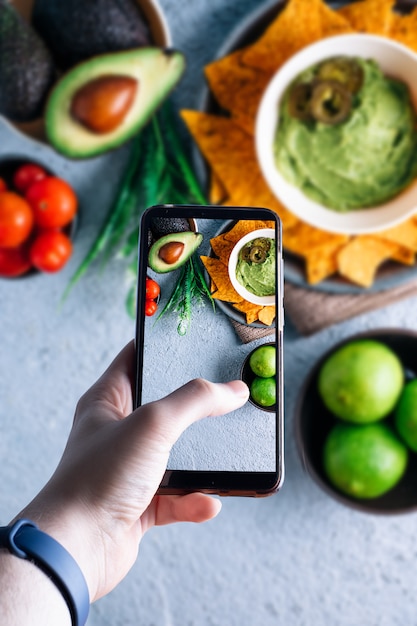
(102, 104)
(171, 252)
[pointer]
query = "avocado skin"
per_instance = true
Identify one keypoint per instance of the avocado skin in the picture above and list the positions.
(76, 30)
(27, 70)
(191, 242)
(161, 226)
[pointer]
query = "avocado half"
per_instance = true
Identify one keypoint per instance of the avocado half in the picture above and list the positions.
(172, 251)
(156, 72)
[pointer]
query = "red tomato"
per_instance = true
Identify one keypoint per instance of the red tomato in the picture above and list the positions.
(3, 185)
(150, 307)
(14, 261)
(16, 219)
(26, 175)
(152, 289)
(50, 251)
(53, 201)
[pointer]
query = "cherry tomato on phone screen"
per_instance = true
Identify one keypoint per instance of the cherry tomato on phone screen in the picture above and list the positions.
(50, 251)
(53, 201)
(152, 289)
(28, 174)
(3, 185)
(14, 261)
(150, 307)
(16, 219)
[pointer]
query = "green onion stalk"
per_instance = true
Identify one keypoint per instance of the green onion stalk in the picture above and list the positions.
(158, 172)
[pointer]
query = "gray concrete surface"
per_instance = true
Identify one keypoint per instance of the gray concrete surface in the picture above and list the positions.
(296, 559)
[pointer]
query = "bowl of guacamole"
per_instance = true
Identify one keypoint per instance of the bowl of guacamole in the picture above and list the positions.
(336, 134)
(252, 267)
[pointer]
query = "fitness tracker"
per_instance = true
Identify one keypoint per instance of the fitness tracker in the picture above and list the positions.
(26, 541)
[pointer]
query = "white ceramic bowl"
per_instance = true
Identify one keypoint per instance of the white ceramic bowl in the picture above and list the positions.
(395, 60)
(233, 258)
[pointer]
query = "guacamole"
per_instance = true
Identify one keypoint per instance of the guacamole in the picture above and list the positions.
(256, 265)
(364, 160)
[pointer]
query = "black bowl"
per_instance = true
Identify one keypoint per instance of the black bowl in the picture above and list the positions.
(248, 376)
(313, 421)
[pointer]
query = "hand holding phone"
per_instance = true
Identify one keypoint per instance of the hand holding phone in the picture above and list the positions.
(214, 267)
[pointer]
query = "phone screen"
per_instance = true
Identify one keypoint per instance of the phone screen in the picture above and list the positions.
(204, 333)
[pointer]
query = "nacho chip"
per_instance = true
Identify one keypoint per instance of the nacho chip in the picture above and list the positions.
(404, 255)
(230, 153)
(217, 192)
(267, 315)
(237, 87)
(296, 26)
(240, 229)
(370, 16)
(250, 310)
(303, 238)
(404, 234)
(217, 271)
(359, 260)
(321, 262)
(222, 247)
(404, 29)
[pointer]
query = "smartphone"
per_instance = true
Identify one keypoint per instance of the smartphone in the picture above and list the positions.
(240, 453)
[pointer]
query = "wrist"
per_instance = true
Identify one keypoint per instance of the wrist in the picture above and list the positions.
(69, 529)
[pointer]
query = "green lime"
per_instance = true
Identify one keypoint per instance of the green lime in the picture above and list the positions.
(361, 381)
(263, 391)
(262, 361)
(364, 461)
(406, 415)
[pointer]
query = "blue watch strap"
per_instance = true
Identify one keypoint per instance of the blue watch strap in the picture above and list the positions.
(25, 540)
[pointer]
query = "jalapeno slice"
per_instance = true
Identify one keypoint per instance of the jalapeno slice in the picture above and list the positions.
(344, 70)
(299, 101)
(331, 102)
(257, 254)
(262, 242)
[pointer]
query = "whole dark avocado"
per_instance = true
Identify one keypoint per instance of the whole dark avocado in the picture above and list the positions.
(101, 103)
(27, 70)
(161, 226)
(76, 30)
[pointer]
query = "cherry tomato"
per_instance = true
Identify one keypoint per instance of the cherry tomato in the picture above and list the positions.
(152, 289)
(53, 201)
(150, 307)
(16, 219)
(50, 251)
(26, 175)
(14, 261)
(3, 185)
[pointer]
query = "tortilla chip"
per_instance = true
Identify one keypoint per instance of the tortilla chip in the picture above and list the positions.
(237, 87)
(267, 315)
(404, 255)
(370, 16)
(322, 262)
(250, 310)
(230, 153)
(240, 229)
(217, 192)
(359, 260)
(296, 26)
(404, 234)
(217, 271)
(303, 238)
(222, 247)
(404, 29)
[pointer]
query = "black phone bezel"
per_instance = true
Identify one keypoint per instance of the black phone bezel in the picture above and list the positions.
(255, 484)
